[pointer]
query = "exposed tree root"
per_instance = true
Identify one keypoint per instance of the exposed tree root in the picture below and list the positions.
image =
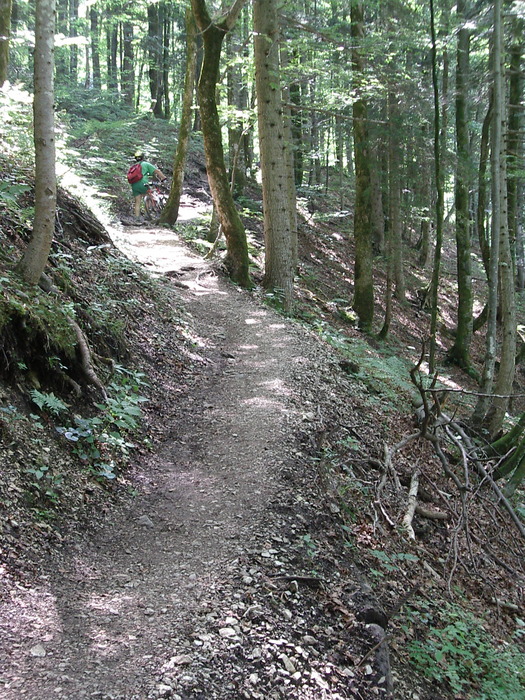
(85, 356)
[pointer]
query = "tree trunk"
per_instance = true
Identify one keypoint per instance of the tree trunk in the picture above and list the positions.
(166, 28)
(95, 56)
(155, 60)
(492, 413)
(394, 186)
(237, 99)
(363, 302)
(290, 169)
(481, 209)
(277, 208)
(507, 366)
(6, 7)
(515, 149)
(62, 52)
(111, 58)
(297, 133)
(35, 257)
(426, 204)
(377, 216)
(459, 353)
(438, 174)
(237, 260)
(171, 210)
(73, 33)
(128, 69)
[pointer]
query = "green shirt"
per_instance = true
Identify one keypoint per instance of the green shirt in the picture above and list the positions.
(141, 186)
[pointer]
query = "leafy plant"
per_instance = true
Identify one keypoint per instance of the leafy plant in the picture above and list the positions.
(310, 545)
(49, 403)
(275, 299)
(389, 562)
(459, 652)
(45, 484)
(102, 441)
(9, 194)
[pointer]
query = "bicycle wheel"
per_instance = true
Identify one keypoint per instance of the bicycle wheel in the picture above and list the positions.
(152, 206)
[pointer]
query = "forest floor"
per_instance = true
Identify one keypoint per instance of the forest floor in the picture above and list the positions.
(253, 548)
(220, 577)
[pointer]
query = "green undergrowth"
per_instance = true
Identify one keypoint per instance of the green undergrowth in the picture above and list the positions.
(385, 373)
(454, 648)
(64, 442)
(63, 451)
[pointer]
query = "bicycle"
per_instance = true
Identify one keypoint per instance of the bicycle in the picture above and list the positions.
(154, 201)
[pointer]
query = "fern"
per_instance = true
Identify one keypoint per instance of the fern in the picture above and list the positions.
(49, 403)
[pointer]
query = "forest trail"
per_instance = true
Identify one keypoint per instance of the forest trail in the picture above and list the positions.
(172, 597)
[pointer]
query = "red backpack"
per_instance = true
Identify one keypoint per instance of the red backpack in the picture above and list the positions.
(135, 173)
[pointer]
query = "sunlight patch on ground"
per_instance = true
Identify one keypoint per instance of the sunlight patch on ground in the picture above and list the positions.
(265, 403)
(150, 247)
(277, 386)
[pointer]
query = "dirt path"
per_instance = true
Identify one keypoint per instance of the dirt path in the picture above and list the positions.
(187, 593)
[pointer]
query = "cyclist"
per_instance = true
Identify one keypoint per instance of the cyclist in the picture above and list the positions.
(140, 188)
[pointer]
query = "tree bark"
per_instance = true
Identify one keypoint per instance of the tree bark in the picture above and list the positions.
(73, 33)
(363, 302)
(35, 257)
(484, 150)
(459, 353)
(213, 33)
(501, 273)
(128, 68)
(111, 58)
(394, 199)
(6, 7)
(377, 216)
(297, 133)
(171, 210)
(95, 55)
(237, 99)
(438, 174)
(155, 59)
(515, 149)
(278, 208)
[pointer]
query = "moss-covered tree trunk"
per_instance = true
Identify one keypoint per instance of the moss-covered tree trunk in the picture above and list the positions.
(35, 257)
(171, 210)
(237, 261)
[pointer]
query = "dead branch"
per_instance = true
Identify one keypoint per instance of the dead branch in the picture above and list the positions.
(483, 472)
(431, 514)
(412, 504)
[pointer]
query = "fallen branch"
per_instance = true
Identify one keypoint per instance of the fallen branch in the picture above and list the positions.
(431, 514)
(483, 472)
(412, 504)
